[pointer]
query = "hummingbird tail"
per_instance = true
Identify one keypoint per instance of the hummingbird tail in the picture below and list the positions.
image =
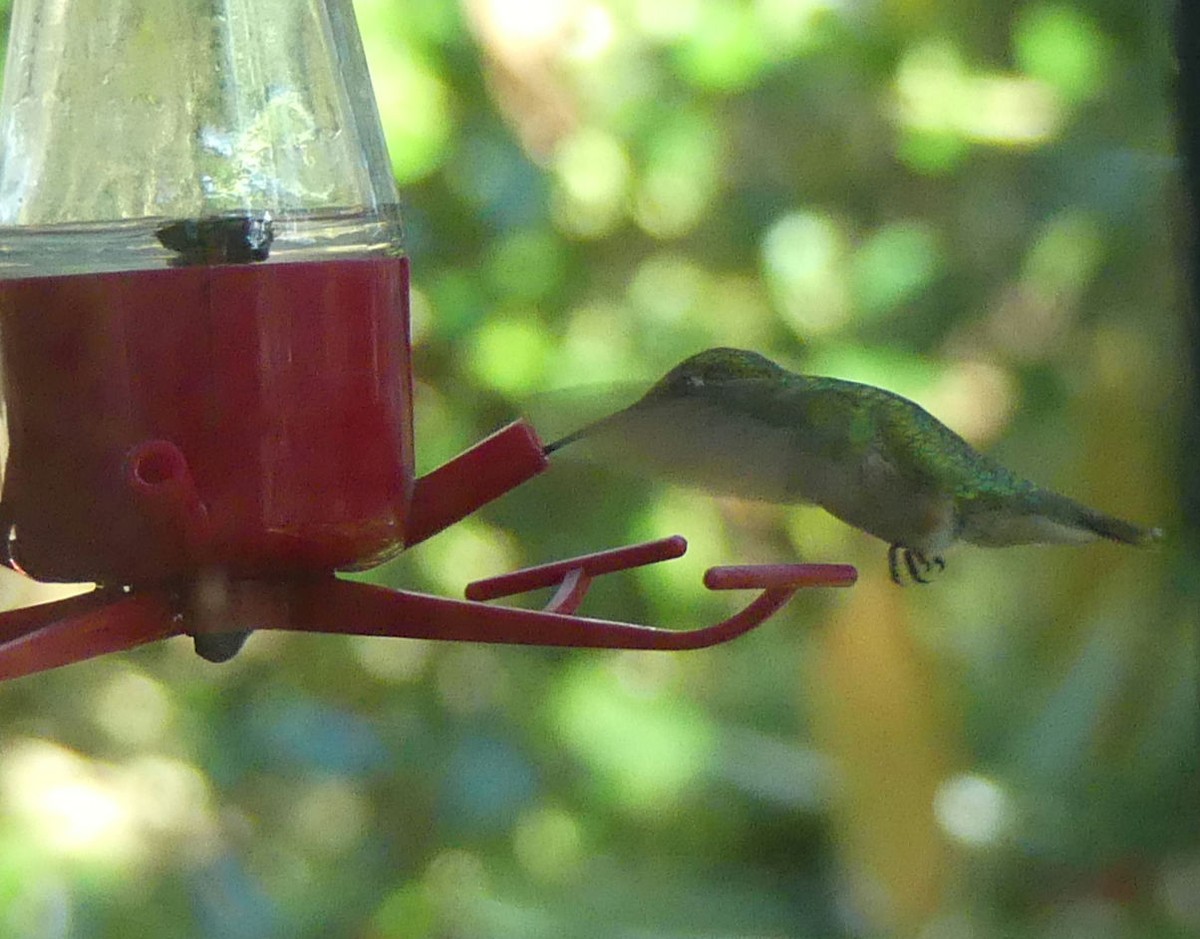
(1039, 516)
(1116, 529)
(1060, 511)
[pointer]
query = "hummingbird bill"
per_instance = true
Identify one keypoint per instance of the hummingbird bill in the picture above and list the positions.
(733, 422)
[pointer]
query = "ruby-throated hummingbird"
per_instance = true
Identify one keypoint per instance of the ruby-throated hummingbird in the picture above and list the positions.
(735, 422)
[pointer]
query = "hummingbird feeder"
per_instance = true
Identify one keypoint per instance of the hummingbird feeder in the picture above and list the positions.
(206, 356)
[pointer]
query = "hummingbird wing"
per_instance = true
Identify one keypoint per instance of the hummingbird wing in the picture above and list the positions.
(705, 440)
(789, 440)
(802, 439)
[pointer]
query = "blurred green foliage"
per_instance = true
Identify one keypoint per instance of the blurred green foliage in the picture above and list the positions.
(971, 203)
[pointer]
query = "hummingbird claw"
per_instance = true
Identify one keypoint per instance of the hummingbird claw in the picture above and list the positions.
(916, 563)
(894, 566)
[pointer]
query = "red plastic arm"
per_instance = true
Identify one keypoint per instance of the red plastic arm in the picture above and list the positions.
(574, 575)
(338, 606)
(593, 565)
(474, 478)
(762, 576)
(48, 635)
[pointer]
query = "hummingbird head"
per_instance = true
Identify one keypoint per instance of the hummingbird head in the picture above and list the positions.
(714, 367)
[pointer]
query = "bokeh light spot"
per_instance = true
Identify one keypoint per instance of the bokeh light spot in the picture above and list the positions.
(133, 708)
(469, 550)
(595, 347)
(936, 94)
(1066, 254)
(645, 749)
(470, 679)
(548, 844)
(510, 353)
(975, 398)
(668, 288)
(894, 265)
(420, 315)
(804, 256)
(413, 109)
(526, 266)
(932, 152)
(527, 22)
(666, 20)
(407, 913)
(88, 810)
(795, 25)
(391, 661)
(724, 50)
(328, 816)
(679, 181)
(1059, 45)
(592, 172)
(696, 516)
(593, 33)
(972, 809)
(60, 796)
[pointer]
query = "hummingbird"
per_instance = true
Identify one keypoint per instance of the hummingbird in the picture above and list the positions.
(734, 422)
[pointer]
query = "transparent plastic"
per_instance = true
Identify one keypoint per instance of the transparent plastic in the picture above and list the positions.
(203, 294)
(122, 109)
(144, 111)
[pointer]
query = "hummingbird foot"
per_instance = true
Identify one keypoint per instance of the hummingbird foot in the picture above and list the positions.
(916, 563)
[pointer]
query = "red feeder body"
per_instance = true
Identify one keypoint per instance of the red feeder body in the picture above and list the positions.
(252, 417)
